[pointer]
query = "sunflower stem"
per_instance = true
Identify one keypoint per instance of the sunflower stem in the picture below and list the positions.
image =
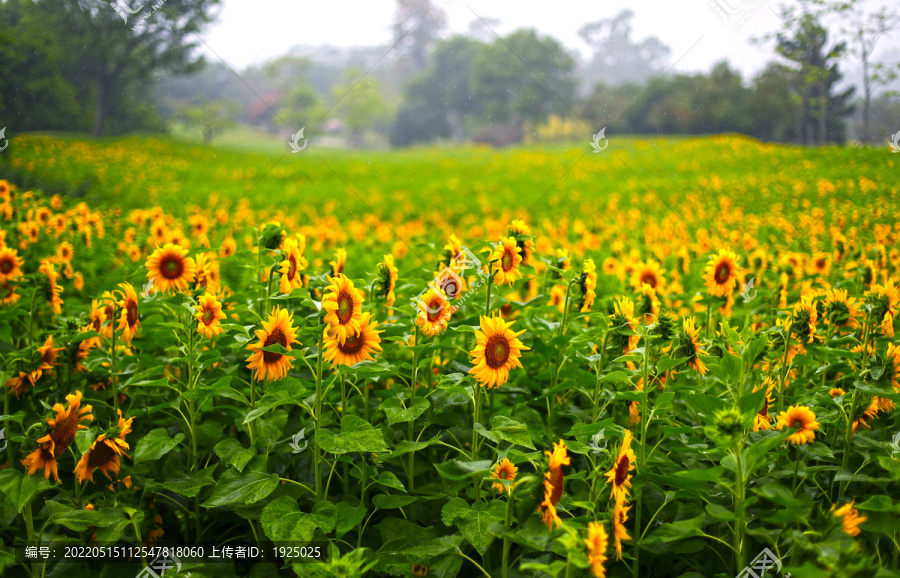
(599, 369)
(639, 486)
(114, 358)
(29, 528)
(362, 500)
(507, 543)
(411, 425)
(31, 318)
(739, 508)
(476, 419)
(784, 371)
(487, 300)
(318, 416)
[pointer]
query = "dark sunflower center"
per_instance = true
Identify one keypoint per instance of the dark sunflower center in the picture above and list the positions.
(434, 310)
(622, 470)
(723, 272)
(507, 261)
(6, 290)
(172, 268)
(352, 345)
(292, 268)
(649, 279)
(278, 337)
(797, 424)
(208, 316)
(764, 412)
(496, 352)
(820, 263)
(64, 433)
(131, 312)
(101, 455)
(6, 265)
(345, 307)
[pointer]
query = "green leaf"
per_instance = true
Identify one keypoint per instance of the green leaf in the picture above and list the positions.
(457, 470)
(187, 485)
(21, 488)
(283, 521)
(675, 531)
(155, 445)
(232, 453)
(396, 413)
(406, 446)
(246, 488)
(755, 453)
(473, 523)
(879, 503)
(506, 429)
(347, 517)
(357, 436)
(390, 480)
(79, 520)
(392, 501)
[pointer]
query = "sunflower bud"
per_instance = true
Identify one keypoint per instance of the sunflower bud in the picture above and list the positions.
(272, 235)
(728, 425)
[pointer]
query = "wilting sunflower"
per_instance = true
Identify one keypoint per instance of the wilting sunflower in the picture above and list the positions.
(597, 543)
(547, 508)
(505, 261)
(343, 306)
(620, 474)
(63, 429)
(497, 351)
(803, 319)
(689, 345)
(208, 315)
(278, 329)
(49, 354)
(648, 273)
(355, 348)
(588, 284)
(505, 470)
(387, 279)
(850, 518)
(840, 309)
(340, 259)
(129, 321)
(885, 302)
(802, 420)
(104, 453)
(762, 420)
(10, 264)
(620, 532)
(170, 269)
(51, 288)
(290, 267)
(434, 312)
(557, 459)
(522, 234)
(722, 273)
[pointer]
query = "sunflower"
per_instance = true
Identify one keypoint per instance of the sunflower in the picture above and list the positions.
(290, 267)
(588, 284)
(64, 252)
(558, 297)
(434, 312)
(893, 357)
(648, 303)
(563, 261)
(84, 348)
(611, 266)
(355, 348)
(762, 420)
(522, 234)
(840, 309)
(620, 532)
(63, 429)
(801, 419)
(836, 392)
(504, 471)
(648, 273)
(850, 519)
(129, 321)
(278, 328)
(722, 273)
(620, 474)
(104, 452)
(505, 261)
(803, 319)
(343, 306)
(170, 268)
(885, 302)
(867, 415)
(340, 259)
(49, 354)
(689, 345)
(497, 351)
(547, 508)
(387, 279)
(52, 289)
(208, 315)
(228, 247)
(8, 295)
(208, 273)
(623, 324)
(109, 302)
(597, 543)
(558, 458)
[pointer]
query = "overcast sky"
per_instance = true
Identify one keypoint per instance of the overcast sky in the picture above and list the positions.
(252, 31)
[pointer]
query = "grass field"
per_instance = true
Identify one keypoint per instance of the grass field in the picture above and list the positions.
(658, 360)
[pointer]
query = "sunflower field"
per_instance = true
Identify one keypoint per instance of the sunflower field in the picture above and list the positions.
(675, 358)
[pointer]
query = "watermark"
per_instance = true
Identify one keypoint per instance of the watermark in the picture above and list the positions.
(124, 10)
(3, 439)
(147, 15)
(295, 441)
(149, 293)
(595, 143)
(749, 293)
(736, 16)
(295, 139)
(895, 444)
(6, 140)
(894, 144)
(449, 284)
(763, 562)
(595, 446)
(159, 565)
